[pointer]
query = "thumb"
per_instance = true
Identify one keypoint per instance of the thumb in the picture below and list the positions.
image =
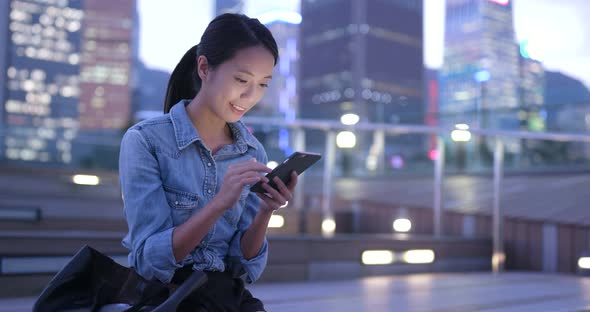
(253, 159)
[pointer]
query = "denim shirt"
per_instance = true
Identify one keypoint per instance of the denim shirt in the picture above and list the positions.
(167, 174)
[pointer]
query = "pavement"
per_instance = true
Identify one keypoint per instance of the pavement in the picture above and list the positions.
(444, 292)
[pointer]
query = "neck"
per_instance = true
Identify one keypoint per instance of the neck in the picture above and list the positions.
(207, 123)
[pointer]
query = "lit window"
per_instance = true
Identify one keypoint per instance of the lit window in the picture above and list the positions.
(12, 153)
(11, 72)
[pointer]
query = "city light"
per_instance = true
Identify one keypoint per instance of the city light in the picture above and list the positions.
(272, 164)
(523, 47)
(584, 263)
(328, 226)
(372, 162)
(377, 257)
(384, 257)
(276, 221)
(84, 179)
(461, 134)
(433, 154)
(285, 16)
(462, 126)
(482, 76)
(402, 225)
(397, 161)
(500, 2)
(346, 139)
(498, 260)
(349, 119)
(418, 256)
(533, 48)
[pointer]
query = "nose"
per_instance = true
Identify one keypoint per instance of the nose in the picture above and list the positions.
(248, 93)
(252, 94)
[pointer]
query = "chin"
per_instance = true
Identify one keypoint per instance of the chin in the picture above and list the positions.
(232, 119)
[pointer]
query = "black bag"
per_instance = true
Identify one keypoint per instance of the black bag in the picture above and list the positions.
(91, 280)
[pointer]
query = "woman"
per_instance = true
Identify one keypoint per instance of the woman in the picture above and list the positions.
(185, 176)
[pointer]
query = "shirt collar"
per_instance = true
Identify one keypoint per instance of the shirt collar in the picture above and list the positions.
(186, 133)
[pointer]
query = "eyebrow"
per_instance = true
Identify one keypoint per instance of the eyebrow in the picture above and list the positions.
(251, 74)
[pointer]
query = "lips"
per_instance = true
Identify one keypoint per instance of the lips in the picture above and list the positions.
(239, 110)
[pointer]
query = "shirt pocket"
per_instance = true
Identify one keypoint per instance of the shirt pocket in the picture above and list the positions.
(182, 204)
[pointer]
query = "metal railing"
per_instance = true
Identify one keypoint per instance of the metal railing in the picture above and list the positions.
(331, 127)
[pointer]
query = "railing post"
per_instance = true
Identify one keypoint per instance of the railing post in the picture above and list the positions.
(439, 166)
(299, 145)
(498, 256)
(328, 173)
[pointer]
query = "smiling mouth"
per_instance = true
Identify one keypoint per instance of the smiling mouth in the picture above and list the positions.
(238, 108)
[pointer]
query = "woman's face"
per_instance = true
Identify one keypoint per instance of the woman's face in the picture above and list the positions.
(235, 86)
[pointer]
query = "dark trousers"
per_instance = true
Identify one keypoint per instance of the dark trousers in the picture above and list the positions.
(221, 292)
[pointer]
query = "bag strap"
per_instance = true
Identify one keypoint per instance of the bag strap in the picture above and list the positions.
(151, 291)
(192, 283)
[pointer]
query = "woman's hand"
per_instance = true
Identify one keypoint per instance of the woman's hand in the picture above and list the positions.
(237, 176)
(273, 199)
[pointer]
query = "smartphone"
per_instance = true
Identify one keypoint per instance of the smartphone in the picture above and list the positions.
(298, 162)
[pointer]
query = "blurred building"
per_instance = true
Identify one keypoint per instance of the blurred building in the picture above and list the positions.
(280, 99)
(532, 83)
(149, 85)
(149, 92)
(40, 55)
(532, 113)
(65, 79)
(362, 57)
(567, 101)
(109, 41)
(480, 75)
(105, 68)
(228, 6)
(563, 89)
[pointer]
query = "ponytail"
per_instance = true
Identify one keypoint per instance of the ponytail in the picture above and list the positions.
(184, 82)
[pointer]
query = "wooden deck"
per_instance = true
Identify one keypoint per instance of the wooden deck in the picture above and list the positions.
(507, 292)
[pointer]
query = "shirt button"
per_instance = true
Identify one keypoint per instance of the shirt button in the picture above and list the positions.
(209, 191)
(176, 202)
(208, 164)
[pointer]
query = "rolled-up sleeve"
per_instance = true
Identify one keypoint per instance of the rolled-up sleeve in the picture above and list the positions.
(146, 210)
(254, 266)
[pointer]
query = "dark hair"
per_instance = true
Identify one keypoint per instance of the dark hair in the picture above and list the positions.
(224, 36)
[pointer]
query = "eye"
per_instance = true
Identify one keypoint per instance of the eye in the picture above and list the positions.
(264, 85)
(242, 81)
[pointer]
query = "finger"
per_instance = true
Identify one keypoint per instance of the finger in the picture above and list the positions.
(293, 182)
(269, 202)
(265, 196)
(241, 164)
(276, 196)
(238, 167)
(250, 166)
(250, 178)
(258, 167)
(283, 188)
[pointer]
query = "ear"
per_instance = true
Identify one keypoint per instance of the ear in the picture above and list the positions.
(202, 67)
